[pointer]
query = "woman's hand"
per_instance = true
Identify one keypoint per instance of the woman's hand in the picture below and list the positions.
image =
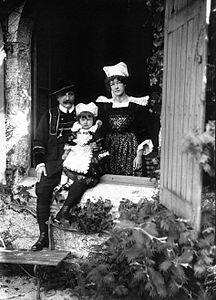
(41, 170)
(94, 146)
(137, 163)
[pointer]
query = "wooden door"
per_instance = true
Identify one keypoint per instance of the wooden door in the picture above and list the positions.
(183, 104)
(2, 115)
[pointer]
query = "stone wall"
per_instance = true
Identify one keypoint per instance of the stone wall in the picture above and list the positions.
(18, 92)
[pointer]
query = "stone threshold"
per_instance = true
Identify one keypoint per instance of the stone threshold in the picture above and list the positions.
(111, 187)
(23, 226)
(105, 179)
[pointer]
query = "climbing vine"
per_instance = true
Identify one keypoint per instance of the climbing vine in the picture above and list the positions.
(155, 61)
(202, 147)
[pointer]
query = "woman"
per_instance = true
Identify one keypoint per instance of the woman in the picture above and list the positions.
(126, 122)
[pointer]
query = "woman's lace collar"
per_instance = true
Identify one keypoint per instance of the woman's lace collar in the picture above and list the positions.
(143, 101)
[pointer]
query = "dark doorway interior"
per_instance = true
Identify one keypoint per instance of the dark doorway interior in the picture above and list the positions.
(75, 39)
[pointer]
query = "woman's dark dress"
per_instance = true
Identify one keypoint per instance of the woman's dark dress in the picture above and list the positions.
(125, 128)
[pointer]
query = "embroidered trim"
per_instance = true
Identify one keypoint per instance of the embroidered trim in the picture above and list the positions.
(38, 147)
(54, 120)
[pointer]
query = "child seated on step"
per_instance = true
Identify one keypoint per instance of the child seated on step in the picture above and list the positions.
(84, 158)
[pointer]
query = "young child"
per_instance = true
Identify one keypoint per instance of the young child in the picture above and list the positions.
(83, 157)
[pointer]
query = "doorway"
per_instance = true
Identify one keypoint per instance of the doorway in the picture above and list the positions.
(75, 39)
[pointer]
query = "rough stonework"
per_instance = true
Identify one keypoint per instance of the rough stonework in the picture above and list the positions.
(18, 93)
(19, 226)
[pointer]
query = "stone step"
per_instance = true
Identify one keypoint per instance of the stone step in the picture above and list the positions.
(112, 187)
(22, 226)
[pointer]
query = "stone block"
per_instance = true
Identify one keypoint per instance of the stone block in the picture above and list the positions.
(19, 224)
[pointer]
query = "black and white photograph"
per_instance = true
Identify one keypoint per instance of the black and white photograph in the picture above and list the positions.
(107, 149)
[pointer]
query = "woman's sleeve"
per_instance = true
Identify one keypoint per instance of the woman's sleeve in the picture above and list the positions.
(145, 128)
(154, 130)
(142, 121)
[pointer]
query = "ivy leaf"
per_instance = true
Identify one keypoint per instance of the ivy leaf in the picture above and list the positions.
(120, 290)
(178, 271)
(133, 253)
(158, 281)
(203, 243)
(139, 238)
(165, 265)
(210, 238)
(173, 286)
(199, 269)
(109, 279)
(157, 43)
(103, 268)
(94, 275)
(157, 278)
(151, 229)
(186, 257)
(150, 288)
(139, 275)
(165, 224)
(208, 260)
(187, 237)
(162, 292)
(125, 224)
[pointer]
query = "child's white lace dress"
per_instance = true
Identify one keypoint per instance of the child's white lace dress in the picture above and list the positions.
(80, 155)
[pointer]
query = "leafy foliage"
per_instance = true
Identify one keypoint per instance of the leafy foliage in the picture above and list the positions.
(93, 217)
(6, 240)
(152, 254)
(202, 146)
(155, 61)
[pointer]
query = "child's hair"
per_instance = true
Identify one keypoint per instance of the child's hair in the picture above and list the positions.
(86, 113)
(122, 79)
